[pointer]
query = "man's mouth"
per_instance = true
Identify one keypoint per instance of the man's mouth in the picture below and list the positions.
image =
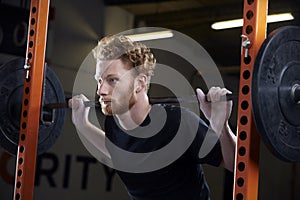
(105, 101)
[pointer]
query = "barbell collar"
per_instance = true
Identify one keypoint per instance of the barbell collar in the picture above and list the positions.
(295, 93)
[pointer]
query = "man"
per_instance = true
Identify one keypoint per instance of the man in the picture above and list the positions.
(123, 72)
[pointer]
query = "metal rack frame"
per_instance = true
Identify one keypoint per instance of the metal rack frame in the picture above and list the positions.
(247, 150)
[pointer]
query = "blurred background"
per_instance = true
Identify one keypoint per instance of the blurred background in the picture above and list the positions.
(67, 170)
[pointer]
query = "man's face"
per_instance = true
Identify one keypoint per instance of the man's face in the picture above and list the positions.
(115, 86)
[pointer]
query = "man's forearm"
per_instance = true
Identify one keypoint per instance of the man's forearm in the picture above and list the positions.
(228, 144)
(94, 135)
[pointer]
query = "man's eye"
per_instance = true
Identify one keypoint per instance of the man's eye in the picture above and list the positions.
(112, 80)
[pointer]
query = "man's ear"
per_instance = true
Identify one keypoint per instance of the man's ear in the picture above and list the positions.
(140, 83)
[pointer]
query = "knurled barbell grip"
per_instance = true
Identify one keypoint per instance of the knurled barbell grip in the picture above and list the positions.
(66, 105)
(188, 99)
(227, 97)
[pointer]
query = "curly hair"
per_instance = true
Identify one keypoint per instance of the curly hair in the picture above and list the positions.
(121, 47)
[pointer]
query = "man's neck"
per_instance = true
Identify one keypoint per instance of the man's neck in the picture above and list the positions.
(135, 115)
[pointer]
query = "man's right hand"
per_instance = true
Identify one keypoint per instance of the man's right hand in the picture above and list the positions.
(79, 111)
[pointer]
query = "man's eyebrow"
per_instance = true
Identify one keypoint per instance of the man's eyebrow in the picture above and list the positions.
(97, 77)
(111, 75)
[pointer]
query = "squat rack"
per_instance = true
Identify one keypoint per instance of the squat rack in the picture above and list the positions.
(246, 164)
(31, 102)
(246, 172)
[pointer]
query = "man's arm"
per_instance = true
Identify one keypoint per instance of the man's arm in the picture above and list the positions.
(228, 143)
(218, 113)
(80, 119)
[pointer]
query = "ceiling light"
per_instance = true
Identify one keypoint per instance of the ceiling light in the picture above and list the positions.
(239, 22)
(280, 17)
(227, 24)
(151, 35)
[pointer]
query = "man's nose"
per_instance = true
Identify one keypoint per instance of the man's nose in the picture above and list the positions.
(102, 89)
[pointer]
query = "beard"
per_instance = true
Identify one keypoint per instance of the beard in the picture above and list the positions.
(118, 106)
(106, 110)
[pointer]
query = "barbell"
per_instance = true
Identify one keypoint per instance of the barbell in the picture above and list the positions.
(275, 93)
(11, 91)
(275, 98)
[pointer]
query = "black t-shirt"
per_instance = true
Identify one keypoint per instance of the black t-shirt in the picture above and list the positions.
(180, 179)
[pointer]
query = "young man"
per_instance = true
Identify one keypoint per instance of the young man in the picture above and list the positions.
(123, 73)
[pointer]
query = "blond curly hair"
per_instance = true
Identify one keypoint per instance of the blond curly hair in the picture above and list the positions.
(121, 47)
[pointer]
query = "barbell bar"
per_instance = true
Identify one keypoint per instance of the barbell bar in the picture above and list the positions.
(152, 100)
(294, 92)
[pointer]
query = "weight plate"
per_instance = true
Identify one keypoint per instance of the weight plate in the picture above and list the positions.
(11, 93)
(276, 114)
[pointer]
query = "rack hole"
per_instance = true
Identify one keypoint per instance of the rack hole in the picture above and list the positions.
(22, 149)
(241, 166)
(243, 135)
(24, 125)
(250, 2)
(23, 137)
(18, 184)
(20, 172)
(242, 151)
(246, 74)
(28, 79)
(27, 90)
(25, 113)
(31, 44)
(26, 102)
(31, 33)
(244, 120)
(240, 182)
(245, 105)
(18, 196)
(249, 14)
(29, 55)
(245, 89)
(21, 161)
(239, 196)
(32, 21)
(33, 10)
(249, 29)
(247, 59)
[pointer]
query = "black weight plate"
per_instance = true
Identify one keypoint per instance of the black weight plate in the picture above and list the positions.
(11, 92)
(276, 70)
